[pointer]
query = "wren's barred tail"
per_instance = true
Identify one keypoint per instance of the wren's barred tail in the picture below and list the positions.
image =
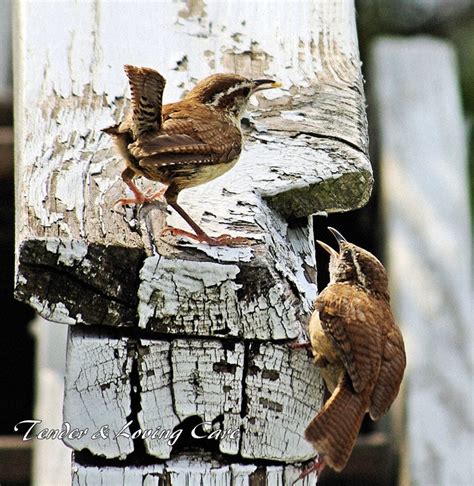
(334, 430)
(146, 86)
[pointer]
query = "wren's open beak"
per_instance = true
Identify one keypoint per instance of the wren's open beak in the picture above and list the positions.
(330, 250)
(261, 84)
(339, 238)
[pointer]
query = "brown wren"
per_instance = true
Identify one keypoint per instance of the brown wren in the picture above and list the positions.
(359, 349)
(182, 144)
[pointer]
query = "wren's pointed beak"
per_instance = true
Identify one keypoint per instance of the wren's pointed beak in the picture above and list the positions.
(339, 238)
(330, 250)
(261, 84)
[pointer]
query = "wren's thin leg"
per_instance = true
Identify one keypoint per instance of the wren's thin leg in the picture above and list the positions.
(171, 196)
(316, 466)
(140, 198)
(200, 234)
(127, 177)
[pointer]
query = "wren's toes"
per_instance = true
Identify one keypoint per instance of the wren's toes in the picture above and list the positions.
(228, 240)
(151, 195)
(128, 202)
(171, 231)
(223, 240)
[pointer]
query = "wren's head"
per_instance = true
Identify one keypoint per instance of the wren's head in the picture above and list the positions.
(356, 266)
(228, 92)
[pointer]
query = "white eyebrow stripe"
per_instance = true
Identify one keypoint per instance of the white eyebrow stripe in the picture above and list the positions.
(360, 274)
(233, 88)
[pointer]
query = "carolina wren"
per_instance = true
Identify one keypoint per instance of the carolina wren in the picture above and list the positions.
(182, 144)
(359, 348)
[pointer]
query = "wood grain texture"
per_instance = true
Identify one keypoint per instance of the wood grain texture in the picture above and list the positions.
(195, 318)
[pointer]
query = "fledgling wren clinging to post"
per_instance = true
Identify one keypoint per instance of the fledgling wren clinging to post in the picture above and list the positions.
(183, 144)
(359, 348)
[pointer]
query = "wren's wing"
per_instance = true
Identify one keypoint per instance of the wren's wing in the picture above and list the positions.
(147, 87)
(189, 139)
(391, 373)
(352, 321)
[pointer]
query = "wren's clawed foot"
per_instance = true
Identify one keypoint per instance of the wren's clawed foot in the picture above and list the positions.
(227, 240)
(129, 201)
(151, 195)
(317, 467)
(223, 240)
(141, 198)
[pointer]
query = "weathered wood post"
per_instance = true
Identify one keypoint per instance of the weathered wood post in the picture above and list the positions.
(164, 336)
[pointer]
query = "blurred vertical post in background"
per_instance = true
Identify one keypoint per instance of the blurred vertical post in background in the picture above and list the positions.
(16, 350)
(425, 200)
(51, 458)
(5, 49)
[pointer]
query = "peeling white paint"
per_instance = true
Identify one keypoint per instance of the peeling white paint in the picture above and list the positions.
(189, 472)
(167, 291)
(97, 393)
(21, 279)
(225, 254)
(200, 389)
(69, 192)
(70, 252)
(57, 312)
(265, 433)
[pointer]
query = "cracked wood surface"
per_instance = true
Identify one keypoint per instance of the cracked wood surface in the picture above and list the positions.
(178, 473)
(253, 397)
(196, 318)
(97, 392)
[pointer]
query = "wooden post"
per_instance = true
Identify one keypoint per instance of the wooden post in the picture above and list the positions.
(426, 204)
(5, 50)
(50, 457)
(167, 335)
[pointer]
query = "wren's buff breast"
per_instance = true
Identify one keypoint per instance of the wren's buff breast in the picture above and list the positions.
(186, 143)
(359, 349)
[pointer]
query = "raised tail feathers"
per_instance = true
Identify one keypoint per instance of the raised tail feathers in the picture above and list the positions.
(147, 87)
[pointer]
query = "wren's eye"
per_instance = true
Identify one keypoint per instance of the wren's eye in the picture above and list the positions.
(246, 91)
(346, 254)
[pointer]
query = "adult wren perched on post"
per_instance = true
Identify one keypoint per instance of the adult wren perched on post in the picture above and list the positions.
(359, 348)
(183, 144)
